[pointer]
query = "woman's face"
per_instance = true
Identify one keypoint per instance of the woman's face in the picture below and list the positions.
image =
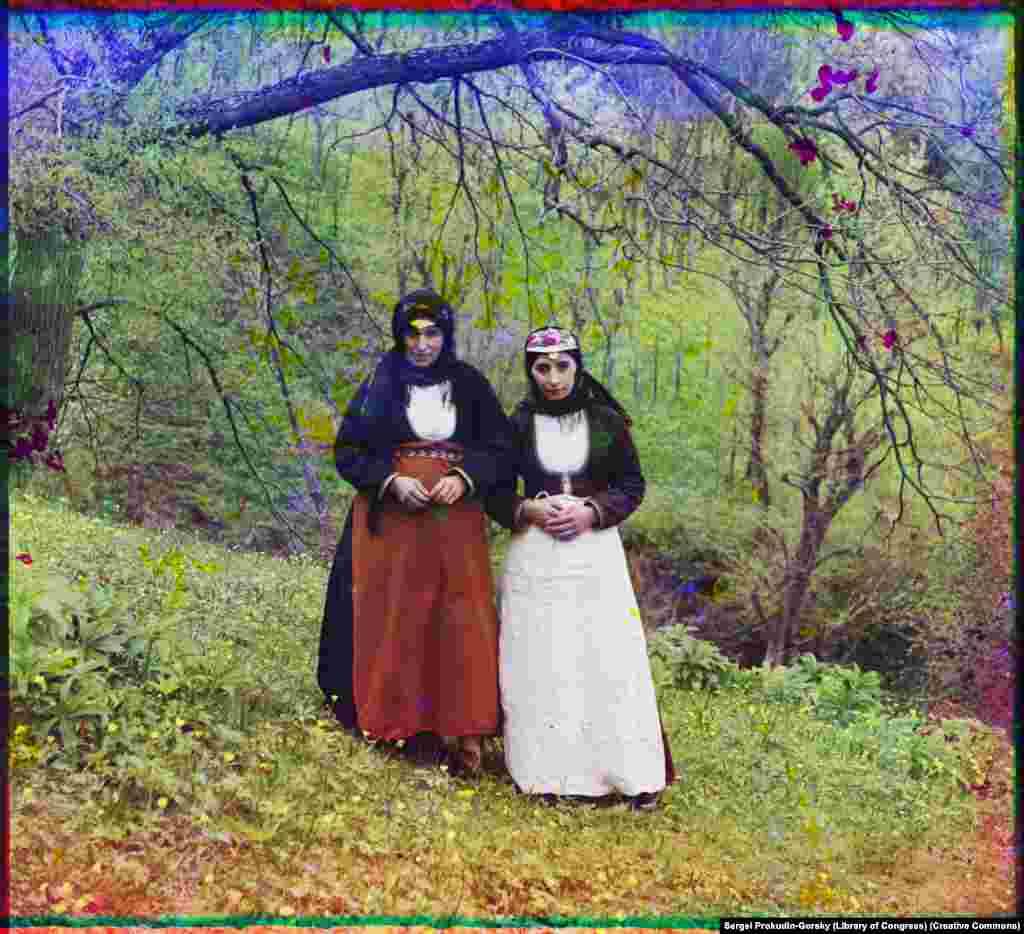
(554, 377)
(423, 343)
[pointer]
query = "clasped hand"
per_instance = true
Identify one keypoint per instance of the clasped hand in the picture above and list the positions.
(414, 496)
(561, 519)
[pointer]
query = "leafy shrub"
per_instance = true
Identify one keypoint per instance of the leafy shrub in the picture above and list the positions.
(62, 643)
(843, 693)
(84, 656)
(690, 664)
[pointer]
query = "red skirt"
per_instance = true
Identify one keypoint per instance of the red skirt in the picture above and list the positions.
(425, 627)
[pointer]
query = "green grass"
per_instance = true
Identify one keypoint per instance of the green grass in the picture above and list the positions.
(230, 795)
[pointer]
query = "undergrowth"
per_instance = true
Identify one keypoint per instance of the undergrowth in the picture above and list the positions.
(170, 755)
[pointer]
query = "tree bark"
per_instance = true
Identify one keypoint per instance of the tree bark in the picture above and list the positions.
(816, 521)
(48, 270)
(756, 473)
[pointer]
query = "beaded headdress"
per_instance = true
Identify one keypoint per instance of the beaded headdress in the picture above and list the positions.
(551, 340)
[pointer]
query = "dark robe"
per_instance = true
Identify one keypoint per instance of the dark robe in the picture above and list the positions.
(483, 432)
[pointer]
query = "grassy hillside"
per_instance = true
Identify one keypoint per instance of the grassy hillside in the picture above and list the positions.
(192, 768)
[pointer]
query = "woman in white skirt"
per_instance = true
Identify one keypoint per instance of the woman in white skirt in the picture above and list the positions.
(580, 714)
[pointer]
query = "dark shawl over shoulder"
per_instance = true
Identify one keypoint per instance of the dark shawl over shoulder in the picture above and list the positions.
(611, 478)
(366, 441)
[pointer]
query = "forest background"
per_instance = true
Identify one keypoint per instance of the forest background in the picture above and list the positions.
(786, 246)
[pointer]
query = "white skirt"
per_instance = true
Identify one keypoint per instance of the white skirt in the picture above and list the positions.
(581, 716)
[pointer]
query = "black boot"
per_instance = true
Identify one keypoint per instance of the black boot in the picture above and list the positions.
(645, 801)
(345, 714)
(425, 749)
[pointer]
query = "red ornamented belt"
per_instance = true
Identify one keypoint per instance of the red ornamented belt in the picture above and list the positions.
(448, 452)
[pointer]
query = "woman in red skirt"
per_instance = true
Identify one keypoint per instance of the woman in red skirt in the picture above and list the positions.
(409, 644)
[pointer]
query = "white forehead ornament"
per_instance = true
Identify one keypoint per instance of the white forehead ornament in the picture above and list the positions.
(551, 341)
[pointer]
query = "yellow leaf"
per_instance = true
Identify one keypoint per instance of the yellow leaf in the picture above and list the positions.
(287, 911)
(729, 407)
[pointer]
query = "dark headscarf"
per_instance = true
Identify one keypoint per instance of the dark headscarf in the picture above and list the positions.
(427, 304)
(379, 419)
(389, 389)
(586, 390)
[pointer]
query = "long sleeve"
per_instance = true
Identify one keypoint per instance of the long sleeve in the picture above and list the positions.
(626, 485)
(503, 500)
(503, 503)
(491, 443)
(359, 461)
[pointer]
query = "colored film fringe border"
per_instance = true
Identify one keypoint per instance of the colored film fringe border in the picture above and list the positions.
(468, 6)
(893, 925)
(680, 924)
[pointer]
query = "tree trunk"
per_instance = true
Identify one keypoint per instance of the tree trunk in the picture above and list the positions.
(318, 145)
(796, 581)
(609, 363)
(654, 380)
(731, 479)
(47, 273)
(756, 473)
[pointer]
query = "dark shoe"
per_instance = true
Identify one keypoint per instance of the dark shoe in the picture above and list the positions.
(468, 757)
(425, 749)
(645, 801)
(345, 714)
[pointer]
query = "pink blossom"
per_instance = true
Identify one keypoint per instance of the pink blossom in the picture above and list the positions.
(25, 558)
(805, 149)
(844, 77)
(819, 94)
(825, 74)
(872, 82)
(889, 339)
(327, 55)
(826, 232)
(845, 28)
(55, 462)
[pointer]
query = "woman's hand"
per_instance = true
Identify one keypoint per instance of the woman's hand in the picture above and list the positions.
(449, 490)
(538, 511)
(570, 520)
(410, 493)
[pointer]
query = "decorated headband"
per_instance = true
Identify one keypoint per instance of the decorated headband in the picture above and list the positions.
(551, 341)
(422, 308)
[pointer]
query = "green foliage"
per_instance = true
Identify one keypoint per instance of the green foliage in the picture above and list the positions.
(837, 694)
(208, 722)
(692, 664)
